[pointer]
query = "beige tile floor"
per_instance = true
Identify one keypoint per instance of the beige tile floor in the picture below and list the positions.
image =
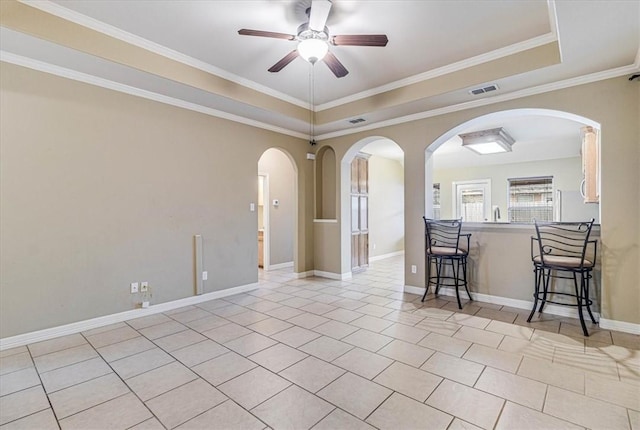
(324, 354)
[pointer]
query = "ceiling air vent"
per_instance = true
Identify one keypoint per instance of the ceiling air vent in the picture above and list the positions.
(357, 120)
(483, 90)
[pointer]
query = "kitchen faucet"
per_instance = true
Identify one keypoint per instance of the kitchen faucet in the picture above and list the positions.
(496, 214)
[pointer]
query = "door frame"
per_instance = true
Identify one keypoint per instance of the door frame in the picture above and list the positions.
(265, 220)
(485, 184)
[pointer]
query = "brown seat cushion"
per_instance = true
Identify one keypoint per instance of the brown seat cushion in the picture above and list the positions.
(442, 250)
(561, 261)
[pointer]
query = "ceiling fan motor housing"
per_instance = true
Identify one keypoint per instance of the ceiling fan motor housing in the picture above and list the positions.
(304, 33)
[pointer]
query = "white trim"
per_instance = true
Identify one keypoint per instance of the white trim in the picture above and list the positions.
(117, 33)
(540, 89)
(383, 256)
(331, 275)
(444, 70)
(623, 326)
(40, 66)
(325, 221)
(92, 80)
(307, 274)
(504, 301)
(101, 27)
(279, 266)
(266, 219)
(77, 327)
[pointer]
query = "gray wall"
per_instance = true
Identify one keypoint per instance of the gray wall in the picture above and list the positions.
(282, 176)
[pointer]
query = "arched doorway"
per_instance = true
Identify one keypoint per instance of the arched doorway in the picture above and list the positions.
(549, 183)
(544, 137)
(277, 210)
(372, 204)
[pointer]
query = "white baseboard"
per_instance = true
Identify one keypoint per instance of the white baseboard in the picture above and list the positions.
(623, 326)
(306, 274)
(514, 303)
(279, 266)
(77, 327)
(331, 275)
(383, 256)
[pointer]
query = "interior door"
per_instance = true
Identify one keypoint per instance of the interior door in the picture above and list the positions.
(473, 200)
(359, 213)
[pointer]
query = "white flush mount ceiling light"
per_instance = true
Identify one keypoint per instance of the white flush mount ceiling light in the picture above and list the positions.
(485, 142)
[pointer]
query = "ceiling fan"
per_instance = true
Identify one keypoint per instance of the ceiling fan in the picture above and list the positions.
(313, 40)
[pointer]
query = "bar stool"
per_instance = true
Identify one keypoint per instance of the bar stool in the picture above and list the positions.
(562, 250)
(445, 246)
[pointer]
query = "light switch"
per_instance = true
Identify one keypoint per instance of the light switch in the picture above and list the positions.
(252, 207)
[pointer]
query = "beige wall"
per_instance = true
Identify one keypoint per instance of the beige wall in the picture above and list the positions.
(566, 172)
(614, 104)
(386, 206)
(278, 167)
(100, 189)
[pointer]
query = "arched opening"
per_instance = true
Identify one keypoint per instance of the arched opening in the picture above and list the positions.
(548, 145)
(372, 203)
(325, 207)
(499, 195)
(277, 210)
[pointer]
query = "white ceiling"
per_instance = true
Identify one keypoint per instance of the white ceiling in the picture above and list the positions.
(427, 39)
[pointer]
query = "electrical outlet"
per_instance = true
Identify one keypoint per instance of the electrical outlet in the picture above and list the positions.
(205, 275)
(414, 268)
(144, 286)
(134, 287)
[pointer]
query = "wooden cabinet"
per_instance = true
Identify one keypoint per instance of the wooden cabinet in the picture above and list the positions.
(360, 212)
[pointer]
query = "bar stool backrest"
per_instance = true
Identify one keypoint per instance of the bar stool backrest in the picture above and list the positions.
(442, 234)
(564, 245)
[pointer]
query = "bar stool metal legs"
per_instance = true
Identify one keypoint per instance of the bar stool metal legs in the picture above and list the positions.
(562, 250)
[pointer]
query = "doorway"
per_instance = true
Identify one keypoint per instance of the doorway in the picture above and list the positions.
(473, 200)
(263, 219)
(277, 210)
(379, 204)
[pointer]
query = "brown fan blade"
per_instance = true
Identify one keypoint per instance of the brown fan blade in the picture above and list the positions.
(335, 65)
(246, 32)
(360, 40)
(285, 60)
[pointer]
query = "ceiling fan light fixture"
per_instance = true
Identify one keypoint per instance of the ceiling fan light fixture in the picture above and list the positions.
(484, 142)
(312, 49)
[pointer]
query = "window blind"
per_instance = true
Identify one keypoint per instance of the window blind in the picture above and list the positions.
(530, 198)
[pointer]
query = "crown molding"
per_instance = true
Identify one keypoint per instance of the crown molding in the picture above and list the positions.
(41, 66)
(440, 71)
(540, 89)
(101, 27)
(535, 42)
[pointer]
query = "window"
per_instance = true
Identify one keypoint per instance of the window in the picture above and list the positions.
(436, 201)
(531, 198)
